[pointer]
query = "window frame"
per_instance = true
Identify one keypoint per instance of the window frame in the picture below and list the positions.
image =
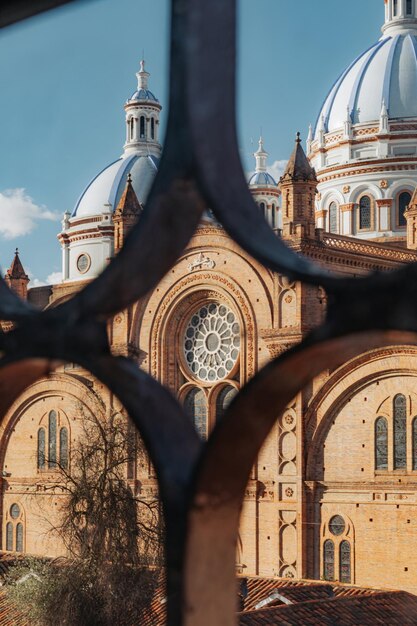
(372, 213)
(397, 209)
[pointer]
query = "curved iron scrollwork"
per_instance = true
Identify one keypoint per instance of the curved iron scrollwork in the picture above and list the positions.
(201, 484)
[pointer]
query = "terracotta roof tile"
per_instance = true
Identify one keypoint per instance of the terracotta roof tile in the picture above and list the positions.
(393, 608)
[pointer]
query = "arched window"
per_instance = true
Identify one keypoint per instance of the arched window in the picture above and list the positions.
(273, 208)
(131, 126)
(333, 217)
(41, 449)
(381, 444)
(415, 443)
(52, 440)
(196, 406)
(365, 221)
(19, 537)
(223, 400)
(9, 536)
(152, 128)
(63, 448)
(262, 206)
(344, 562)
(400, 432)
(395, 8)
(409, 9)
(142, 127)
(328, 560)
(404, 200)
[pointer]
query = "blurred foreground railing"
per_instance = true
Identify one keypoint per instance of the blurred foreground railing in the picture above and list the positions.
(201, 484)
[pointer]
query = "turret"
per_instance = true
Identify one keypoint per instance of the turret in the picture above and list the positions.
(16, 277)
(400, 16)
(142, 118)
(126, 215)
(264, 188)
(298, 188)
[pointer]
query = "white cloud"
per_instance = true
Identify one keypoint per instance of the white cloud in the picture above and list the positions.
(54, 278)
(277, 169)
(19, 213)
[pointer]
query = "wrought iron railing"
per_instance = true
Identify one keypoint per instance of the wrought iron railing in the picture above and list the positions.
(202, 485)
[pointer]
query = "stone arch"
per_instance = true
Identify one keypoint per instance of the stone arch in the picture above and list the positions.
(345, 382)
(188, 294)
(62, 385)
(363, 189)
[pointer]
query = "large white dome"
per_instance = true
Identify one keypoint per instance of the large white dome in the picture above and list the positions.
(108, 186)
(385, 73)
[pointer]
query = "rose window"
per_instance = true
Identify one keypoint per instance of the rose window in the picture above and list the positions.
(212, 342)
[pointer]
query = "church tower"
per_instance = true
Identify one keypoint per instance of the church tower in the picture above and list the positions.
(125, 215)
(16, 278)
(298, 187)
(264, 189)
(142, 118)
(400, 15)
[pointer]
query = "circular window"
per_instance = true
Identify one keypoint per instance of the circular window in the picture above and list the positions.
(15, 511)
(83, 263)
(212, 342)
(337, 525)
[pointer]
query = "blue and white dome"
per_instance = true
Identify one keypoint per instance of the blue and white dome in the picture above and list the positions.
(87, 235)
(261, 179)
(143, 95)
(384, 75)
(106, 189)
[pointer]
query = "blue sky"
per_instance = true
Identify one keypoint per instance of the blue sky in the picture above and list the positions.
(65, 76)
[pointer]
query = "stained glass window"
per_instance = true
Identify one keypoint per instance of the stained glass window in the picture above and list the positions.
(41, 448)
(400, 432)
(19, 537)
(52, 440)
(14, 511)
(9, 536)
(381, 444)
(344, 562)
(223, 400)
(403, 202)
(333, 217)
(63, 448)
(365, 213)
(328, 560)
(196, 407)
(337, 525)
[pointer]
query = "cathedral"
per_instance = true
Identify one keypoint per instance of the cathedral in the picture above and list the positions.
(333, 494)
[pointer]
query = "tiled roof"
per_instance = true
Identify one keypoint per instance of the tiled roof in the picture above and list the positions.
(254, 590)
(393, 608)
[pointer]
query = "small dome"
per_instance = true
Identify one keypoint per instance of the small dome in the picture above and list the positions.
(108, 186)
(143, 95)
(386, 73)
(261, 179)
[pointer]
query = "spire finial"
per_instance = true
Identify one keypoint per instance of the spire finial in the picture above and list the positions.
(129, 178)
(16, 252)
(298, 140)
(142, 75)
